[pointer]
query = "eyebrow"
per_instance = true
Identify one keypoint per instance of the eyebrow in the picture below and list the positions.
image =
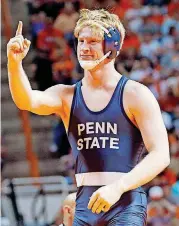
(90, 38)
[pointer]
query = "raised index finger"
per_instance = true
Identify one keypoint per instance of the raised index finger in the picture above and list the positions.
(19, 28)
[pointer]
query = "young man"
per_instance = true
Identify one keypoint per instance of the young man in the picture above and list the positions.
(109, 120)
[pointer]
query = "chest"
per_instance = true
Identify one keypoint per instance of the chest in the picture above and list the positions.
(96, 100)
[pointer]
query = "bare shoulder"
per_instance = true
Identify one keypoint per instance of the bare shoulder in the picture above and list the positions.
(135, 89)
(62, 92)
(138, 95)
(62, 89)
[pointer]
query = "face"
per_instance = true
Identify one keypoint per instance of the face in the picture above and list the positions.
(145, 63)
(90, 46)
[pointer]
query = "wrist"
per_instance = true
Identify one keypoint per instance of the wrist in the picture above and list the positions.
(121, 186)
(14, 64)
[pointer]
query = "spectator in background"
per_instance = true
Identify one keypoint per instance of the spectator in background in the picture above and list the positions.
(148, 26)
(170, 21)
(62, 64)
(175, 194)
(34, 6)
(52, 7)
(160, 210)
(66, 21)
(66, 214)
(156, 2)
(169, 101)
(126, 59)
(170, 59)
(132, 40)
(47, 40)
(150, 48)
(168, 41)
(48, 37)
(145, 72)
(37, 25)
(174, 147)
(133, 16)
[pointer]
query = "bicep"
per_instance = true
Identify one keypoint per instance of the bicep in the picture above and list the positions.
(46, 102)
(147, 115)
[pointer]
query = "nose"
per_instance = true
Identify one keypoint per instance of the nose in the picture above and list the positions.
(85, 47)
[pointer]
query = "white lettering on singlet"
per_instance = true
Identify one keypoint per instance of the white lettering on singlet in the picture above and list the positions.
(90, 127)
(80, 144)
(81, 127)
(114, 142)
(87, 139)
(95, 143)
(111, 128)
(98, 128)
(104, 139)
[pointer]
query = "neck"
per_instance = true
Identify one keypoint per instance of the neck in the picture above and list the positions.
(67, 221)
(99, 77)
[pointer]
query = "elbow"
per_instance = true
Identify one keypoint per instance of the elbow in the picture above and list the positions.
(166, 161)
(163, 160)
(22, 106)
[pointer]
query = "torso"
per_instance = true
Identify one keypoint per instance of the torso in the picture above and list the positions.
(97, 111)
(95, 99)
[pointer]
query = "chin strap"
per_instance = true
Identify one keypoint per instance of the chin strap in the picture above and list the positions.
(103, 58)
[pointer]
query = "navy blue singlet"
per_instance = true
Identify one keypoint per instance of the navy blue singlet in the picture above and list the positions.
(106, 141)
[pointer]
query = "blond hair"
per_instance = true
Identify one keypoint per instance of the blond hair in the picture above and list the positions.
(99, 16)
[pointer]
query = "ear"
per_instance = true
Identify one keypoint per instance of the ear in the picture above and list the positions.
(66, 209)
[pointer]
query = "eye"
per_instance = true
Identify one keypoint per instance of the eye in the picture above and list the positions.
(93, 42)
(80, 40)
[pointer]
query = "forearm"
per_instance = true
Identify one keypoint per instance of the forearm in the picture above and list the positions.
(19, 85)
(145, 171)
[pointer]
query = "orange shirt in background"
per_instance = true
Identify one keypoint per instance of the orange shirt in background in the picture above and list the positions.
(131, 41)
(46, 38)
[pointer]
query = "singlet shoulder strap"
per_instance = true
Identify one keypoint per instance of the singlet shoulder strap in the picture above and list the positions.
(74, 100)
(117, 91)
(123, 83)
(121, 101)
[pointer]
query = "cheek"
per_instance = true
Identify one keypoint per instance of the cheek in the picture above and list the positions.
(98, 51)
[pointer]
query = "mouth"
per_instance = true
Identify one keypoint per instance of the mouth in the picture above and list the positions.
(86, 57)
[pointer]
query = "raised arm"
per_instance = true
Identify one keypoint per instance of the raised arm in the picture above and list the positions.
(43, 103)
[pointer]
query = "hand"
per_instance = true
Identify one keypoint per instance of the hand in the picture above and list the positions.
(105, 197)
(18, 47)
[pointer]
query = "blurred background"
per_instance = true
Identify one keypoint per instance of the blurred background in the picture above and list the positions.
(37, 169)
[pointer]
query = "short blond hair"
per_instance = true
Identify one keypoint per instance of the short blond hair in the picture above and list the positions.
(102, 17)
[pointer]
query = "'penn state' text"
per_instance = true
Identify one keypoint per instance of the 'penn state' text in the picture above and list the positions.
(99, 128)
